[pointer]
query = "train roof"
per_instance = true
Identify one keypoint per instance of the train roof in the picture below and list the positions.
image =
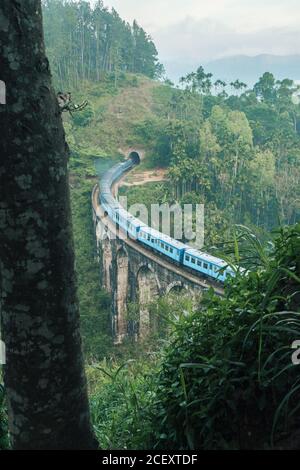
(137, 222)
(165, 238)
(105, 191)
(205, 256)
(109, 198)
(123, 212)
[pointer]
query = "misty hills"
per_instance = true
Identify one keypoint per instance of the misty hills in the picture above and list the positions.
(249, 69)
(245, 68)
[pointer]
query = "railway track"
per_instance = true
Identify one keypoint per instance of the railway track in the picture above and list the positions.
(160, 260)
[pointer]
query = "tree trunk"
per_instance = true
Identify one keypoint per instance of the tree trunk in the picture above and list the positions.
(44, 373)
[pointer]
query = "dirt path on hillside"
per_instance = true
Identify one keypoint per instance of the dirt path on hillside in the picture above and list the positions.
(137, 178)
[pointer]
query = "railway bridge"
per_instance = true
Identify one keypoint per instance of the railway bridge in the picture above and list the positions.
(135, 275)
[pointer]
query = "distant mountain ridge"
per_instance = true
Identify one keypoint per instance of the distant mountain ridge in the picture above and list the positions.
(249, 69)
(245, 68)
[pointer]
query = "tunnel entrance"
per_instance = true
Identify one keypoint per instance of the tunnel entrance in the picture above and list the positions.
(134, 156)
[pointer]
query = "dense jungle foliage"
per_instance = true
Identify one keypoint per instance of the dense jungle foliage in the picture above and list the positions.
(236, 151)
(83, 42)
(222, 377)
(225, 377)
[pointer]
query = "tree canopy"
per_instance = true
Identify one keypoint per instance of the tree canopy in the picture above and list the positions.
(83, 41)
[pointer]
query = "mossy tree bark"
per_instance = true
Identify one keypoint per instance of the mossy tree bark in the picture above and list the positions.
(44, 374)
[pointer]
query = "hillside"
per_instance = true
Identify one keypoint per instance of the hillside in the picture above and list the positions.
(185, 132)
(110, 123)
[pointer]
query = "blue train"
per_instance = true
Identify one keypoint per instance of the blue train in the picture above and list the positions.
(178, 252)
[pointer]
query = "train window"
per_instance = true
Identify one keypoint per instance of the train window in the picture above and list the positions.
(152, 240)
(149, 238)
(199, 263)
(187, 258)
(171, 250)
(205, 265)
(167, 248)
(193, 260)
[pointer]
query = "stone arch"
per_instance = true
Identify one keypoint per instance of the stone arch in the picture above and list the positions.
(176, 286)
(120, 326)
(2, 92)
(179, 288)
(148, 289)
(144, 265)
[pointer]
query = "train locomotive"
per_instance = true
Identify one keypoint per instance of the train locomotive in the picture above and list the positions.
(178, 252)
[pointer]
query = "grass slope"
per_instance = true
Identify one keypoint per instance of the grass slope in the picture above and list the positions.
(111, 120)
(95, 142)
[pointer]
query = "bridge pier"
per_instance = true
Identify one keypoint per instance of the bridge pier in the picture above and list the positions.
(132, 275)
(120, 295)
(148, 290)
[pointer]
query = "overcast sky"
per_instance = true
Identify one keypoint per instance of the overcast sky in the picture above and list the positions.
(190, 31)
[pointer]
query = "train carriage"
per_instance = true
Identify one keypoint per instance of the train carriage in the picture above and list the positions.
(175, 250)
(207, 264)
(109, 204)
(162, 243)
(134, 226)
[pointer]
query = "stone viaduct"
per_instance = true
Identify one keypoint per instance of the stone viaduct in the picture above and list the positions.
(133, 274)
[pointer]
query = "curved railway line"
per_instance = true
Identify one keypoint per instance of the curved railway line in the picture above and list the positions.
(118, 232)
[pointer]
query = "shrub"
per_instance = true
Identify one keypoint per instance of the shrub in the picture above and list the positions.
(84, 117)
(121, 402)
(227, 379)
(4, 439)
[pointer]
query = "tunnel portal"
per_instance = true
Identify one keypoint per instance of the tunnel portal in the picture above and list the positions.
(134, 156)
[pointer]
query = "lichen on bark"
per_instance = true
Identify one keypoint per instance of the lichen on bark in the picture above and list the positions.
(44, 375)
